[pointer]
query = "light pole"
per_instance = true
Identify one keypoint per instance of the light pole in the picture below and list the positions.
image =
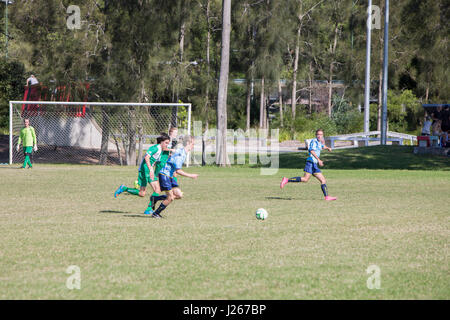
(385, 75)
(6, 25)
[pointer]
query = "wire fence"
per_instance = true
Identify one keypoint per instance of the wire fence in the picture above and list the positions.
(94, 133)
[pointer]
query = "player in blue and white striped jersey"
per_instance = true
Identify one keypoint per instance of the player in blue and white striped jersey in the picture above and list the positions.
(166, 175)
(312, 165)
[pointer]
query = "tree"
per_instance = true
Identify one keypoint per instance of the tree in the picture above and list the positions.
(221, 138)
(429, 44)
(12, 80)
(302, 10)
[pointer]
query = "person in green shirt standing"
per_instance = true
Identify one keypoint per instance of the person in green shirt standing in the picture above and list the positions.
(28, 138)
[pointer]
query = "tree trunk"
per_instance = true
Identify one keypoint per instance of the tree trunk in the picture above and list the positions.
(262, 101)
(333, 53)
(310, 75)
(131, 133)
(280, 101)
(330, 89)
(105, 137)
(208, 41)
(221, 141)
(249, 102)
(182, 32)
(380, 77)
(140, 141)
(119, 153)
(294, 74)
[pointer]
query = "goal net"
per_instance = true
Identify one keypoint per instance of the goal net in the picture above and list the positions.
(94, 132)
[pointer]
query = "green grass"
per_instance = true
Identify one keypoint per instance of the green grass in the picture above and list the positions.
(376, 157)
(210, 246)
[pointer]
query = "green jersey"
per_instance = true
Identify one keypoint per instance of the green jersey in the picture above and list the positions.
(165, 155)
(154, 152)
(28, 137)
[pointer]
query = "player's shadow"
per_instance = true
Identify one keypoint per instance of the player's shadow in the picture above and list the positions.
(279, 198)
(113, 211)
(147, 216)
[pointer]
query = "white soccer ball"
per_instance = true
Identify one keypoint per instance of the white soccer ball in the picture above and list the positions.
(261, 214)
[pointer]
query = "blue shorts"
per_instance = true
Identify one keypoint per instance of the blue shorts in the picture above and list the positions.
(311, 167)
(167, 183)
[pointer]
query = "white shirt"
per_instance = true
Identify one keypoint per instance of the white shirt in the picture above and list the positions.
(426, 127)
(32, 81)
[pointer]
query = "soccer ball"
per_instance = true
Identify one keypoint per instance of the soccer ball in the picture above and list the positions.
(261, 214)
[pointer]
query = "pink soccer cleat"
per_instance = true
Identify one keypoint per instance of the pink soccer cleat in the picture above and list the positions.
(283, 182)
(329, 198)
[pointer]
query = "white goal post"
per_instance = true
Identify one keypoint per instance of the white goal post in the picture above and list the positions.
(94, 132)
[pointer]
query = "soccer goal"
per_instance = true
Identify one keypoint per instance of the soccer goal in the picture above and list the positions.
(94, 132)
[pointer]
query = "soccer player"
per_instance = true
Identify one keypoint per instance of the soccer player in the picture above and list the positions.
(311, 167)
(146, 172)
(173, 132)
(28, 138)
(166, 175)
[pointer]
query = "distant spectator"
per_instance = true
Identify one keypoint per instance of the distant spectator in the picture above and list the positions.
(445, 119)
(436, 114)
(31, 81)
(436, 127)
(445, 143)
(427, 125)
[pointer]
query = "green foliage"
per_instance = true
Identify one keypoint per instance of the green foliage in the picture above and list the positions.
(346, 117)
(404, 111)
(132, 50)
(285, 134)
(12, 81)
(304, 126)
(236, 106)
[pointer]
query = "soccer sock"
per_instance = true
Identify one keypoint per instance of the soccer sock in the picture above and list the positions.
(161, 197)
(295, 179)
(27, 161)
(160, 209)
(154, 194)
(324, 189)
(132, 191)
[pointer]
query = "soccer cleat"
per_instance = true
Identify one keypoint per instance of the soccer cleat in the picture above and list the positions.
(119, 191)
(156, 215)
(284, 181)
(136, 184)
(148, 211)
(329, 198)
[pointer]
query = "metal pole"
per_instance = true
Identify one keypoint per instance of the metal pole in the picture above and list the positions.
(10, 133)
(367, 85)
(385, 75)
(189, 133)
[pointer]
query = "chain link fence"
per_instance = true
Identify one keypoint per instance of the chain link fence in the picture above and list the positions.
(94, 133)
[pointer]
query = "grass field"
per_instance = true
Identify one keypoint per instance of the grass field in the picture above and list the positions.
(210, 245)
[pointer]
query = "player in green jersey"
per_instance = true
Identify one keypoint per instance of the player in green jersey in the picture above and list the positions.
(173, 133)
(147, 173)
(29, 143)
